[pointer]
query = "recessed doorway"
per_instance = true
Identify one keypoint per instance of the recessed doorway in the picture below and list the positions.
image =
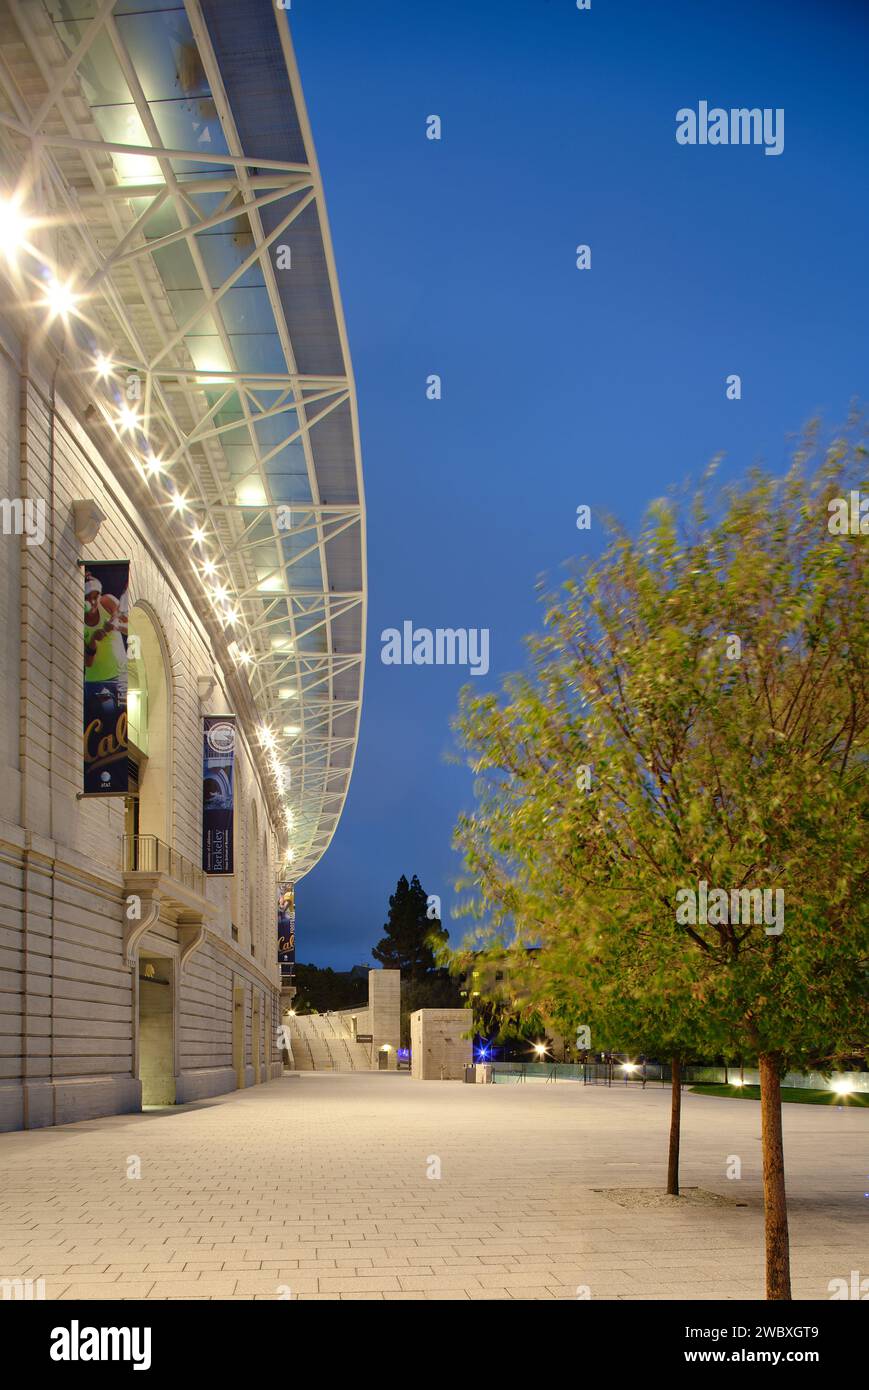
(256, 1039)
(156, 1030)
(238, 1035)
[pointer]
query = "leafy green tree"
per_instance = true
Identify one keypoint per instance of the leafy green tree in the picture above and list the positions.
(696, 717)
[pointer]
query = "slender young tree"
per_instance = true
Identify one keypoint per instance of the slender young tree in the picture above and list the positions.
(693, 736)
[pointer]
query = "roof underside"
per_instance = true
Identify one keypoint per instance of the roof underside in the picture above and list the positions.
(170, 143)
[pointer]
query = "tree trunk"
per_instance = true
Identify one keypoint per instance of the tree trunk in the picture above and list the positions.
(778, 1264)
(675, 1126)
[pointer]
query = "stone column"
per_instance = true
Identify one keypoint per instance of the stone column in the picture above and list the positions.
(384, 1006)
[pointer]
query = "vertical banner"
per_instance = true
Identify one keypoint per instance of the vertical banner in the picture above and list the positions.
(106, 616)
(286, 930)
(218, 759)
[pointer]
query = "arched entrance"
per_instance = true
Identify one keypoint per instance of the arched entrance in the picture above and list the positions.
(147, 827)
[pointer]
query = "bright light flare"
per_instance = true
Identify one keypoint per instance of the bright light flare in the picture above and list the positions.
(842, 1086)
(128, 418)
(60, 298)
(13, 227)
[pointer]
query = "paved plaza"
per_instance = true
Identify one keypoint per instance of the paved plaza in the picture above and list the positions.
(316, 1187)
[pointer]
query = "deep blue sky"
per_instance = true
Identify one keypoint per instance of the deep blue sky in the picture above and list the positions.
(560, 386)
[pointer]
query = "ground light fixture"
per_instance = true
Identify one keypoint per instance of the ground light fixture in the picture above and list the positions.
(841, 1086)
(630, 1066)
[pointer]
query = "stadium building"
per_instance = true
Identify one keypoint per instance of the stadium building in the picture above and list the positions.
(182, 557)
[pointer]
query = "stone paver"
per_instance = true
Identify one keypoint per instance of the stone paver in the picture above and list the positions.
(316, 1187)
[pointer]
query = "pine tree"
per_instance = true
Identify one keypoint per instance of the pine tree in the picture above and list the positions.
(410, 933)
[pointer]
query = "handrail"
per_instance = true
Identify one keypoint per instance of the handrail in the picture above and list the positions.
(150, 855)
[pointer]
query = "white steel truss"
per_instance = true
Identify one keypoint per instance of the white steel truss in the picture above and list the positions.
(272, 554)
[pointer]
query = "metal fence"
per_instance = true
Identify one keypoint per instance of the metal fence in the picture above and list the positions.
(616, 1073)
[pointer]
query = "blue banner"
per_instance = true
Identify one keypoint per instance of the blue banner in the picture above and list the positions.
(218, 760)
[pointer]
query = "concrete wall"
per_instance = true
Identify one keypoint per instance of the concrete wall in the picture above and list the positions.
(380, 1017)
(68, 999)
(439, 1052)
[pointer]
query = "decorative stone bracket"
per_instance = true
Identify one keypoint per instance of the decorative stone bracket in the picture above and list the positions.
(135, 930)
(191, 937)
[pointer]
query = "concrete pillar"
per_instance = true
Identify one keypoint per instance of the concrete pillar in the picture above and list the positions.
(439, 1051)
(384, 1007)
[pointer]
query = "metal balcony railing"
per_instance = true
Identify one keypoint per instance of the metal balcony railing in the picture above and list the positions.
(148, 855)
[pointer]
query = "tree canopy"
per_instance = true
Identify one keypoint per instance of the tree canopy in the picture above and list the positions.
(410, 932)
(671, 801)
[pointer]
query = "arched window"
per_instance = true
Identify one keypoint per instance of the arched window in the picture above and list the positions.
(252, 878)
(269, 905)
(149, 806)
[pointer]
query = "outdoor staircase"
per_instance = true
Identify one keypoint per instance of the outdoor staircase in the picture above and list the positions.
(323, 1042)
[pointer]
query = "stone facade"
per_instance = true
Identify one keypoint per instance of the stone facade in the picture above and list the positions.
(81, 1030)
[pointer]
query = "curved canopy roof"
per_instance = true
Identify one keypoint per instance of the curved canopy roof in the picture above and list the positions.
(171, 145)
